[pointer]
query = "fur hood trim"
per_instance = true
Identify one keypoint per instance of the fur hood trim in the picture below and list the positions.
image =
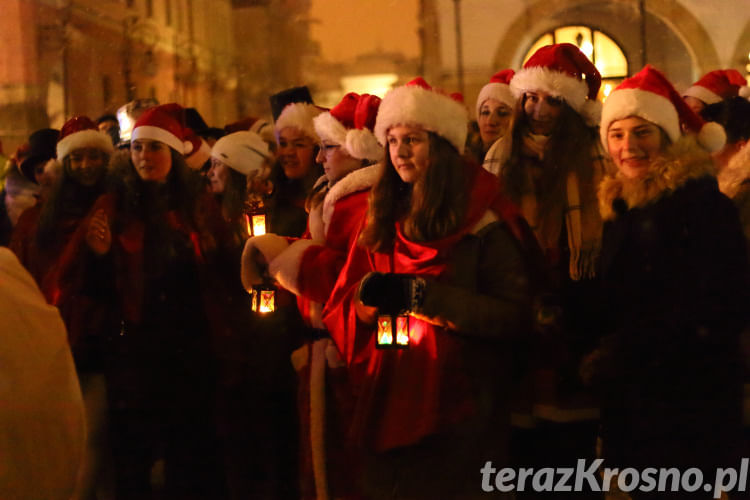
(736, 172)
(684, 160)
(358, 180)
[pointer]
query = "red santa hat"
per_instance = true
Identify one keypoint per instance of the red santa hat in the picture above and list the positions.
(82, 132)
(299, 115)
(718, 85)
(499, 89)
(242, 151)
(164, 124)
(649, 95)
(350, 124)
(565, 72)
(417, 103)
(200, 151)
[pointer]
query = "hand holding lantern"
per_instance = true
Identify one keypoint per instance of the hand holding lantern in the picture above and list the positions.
(394, 295)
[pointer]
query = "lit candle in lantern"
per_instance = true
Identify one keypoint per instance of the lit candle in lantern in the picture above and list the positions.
(256, 224)
(385, 335)
(259, 224)
(263, 299)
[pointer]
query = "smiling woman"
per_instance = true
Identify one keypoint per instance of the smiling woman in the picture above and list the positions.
(668, 367)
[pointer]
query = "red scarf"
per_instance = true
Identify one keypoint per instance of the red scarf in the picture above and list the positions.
(406, 395)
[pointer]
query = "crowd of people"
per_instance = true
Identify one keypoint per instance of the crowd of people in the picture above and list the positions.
(569, 281)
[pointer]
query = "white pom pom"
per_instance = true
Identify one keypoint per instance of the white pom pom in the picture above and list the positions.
(187, 147)
(745, 92)
(362, 144)
(591, 111)
(712, 136)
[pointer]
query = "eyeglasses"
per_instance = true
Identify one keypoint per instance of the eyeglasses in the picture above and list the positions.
(328, 148)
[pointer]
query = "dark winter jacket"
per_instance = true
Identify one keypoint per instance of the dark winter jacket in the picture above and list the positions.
(674, 269)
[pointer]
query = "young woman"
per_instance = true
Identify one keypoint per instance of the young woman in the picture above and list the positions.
(237, 161)
(440, 244)
(296, 170)
(309, 267)
(158, 237)
(550, 163)
(674, 270)
(495, 108)
(49, 241)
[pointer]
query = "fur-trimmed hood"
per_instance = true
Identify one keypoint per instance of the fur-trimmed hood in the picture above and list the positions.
(684, 160)
(736, 172)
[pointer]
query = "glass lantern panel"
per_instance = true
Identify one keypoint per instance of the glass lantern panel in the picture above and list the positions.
(385, 331)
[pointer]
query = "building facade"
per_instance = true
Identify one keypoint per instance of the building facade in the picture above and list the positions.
(66, 57)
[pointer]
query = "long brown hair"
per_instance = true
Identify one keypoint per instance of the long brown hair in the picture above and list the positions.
(432, 208)
(67, 197)
(569, 150)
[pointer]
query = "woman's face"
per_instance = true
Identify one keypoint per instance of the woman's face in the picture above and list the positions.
(336, 161)
(409, 150)
(634, 144)
(151, 159)
(694, 103)
(218, 176)
(295, 152)
(493, 120)
(541, 110)
(87, 165)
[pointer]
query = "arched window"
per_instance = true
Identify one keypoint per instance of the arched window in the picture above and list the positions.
(601, 49)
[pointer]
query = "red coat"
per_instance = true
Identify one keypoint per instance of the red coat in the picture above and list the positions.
(310, 266)
(60, 271)
(404, 396)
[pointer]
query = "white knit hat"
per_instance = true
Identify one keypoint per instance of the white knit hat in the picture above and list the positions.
(417, 103)
(350, 125)
(243, 151)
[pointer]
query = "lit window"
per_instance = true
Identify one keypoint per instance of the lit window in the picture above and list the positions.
(601, 49)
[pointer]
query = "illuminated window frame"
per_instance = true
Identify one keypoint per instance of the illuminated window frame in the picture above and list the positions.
(587, 40)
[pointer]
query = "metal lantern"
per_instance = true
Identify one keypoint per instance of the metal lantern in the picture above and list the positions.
(255, 215)
(256, 223)
(263, 299)
(385, 337)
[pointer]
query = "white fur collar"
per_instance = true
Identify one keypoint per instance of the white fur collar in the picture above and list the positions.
(358, 180)
(684, 160)
(736, 172)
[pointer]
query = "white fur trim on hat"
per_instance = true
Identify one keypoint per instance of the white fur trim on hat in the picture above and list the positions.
(702, 94)
(744, 92)
(644, 104)
(414, 105)
(498, 91)
(362, 144)
(161, 135)
(299, 115)
(358, 143)
(557, 84)
(329, 128)
(84, 139)
(242, 151)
